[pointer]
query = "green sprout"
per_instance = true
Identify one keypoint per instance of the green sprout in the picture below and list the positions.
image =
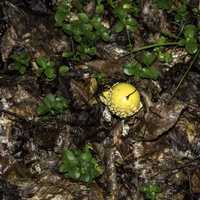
(46, 67)
(150, 191)
(80, 165)
(52, 105)
(21, 61)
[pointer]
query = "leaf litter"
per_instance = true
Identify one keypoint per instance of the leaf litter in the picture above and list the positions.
(156, 148)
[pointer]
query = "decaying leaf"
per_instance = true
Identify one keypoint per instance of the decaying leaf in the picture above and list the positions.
(161, 118)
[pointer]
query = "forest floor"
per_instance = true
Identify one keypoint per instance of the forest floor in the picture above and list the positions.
(59, 140)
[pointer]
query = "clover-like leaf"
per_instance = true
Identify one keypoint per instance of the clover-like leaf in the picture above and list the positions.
(80, 165)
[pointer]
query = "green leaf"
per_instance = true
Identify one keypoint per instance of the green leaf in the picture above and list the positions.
(20, 68)
(21, 61)
(42, 62)
(163, 4)
(118, 27)
(150, 191)
(150, 72)
(105, 36)
(120, 13)
(135, 69)
(22, 58)
(62, 168)
(83, 17)
(190, 34)
(46, 67)
(131, 24)
(80, 165)
(86, 156)
(60, 15)
(191, 46)
(181, 13)
(181, 42)
(87, 28)
(165, 57)
(67, 54)
(63, 70)
(74, 173)
(96, 22)
(100, 9)
(67, 28)
(52, 104)
(42, 109)
(127, 6)
(148, 58)
(190, 31)
(50, 73)
(131, 69)
(69, 156)
(49, 101)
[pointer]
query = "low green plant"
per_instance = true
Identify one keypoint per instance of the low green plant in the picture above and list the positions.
(150, 191)
(180, 8)
(62, 11)
(85, 30)
(46, 67)
(21, 61)
(182, 12)
(144, 68)
(52, 105)
(88, 29)
(124, 12)
(63, 70)
(163, 55)
(80, 165)
(190, 40)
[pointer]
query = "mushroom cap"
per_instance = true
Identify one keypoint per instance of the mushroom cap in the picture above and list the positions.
(122, 99)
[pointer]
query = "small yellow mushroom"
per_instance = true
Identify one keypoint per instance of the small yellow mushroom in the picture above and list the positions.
(122, 99)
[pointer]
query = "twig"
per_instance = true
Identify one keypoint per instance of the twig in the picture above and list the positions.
(150, 47)
(186, 73)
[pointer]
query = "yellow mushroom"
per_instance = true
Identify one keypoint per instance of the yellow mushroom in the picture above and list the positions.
(122, 99)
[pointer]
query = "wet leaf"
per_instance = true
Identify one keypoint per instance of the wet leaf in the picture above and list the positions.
(161, 118)
(79, 92)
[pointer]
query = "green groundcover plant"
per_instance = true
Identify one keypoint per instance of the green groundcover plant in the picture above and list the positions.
(80, 165)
